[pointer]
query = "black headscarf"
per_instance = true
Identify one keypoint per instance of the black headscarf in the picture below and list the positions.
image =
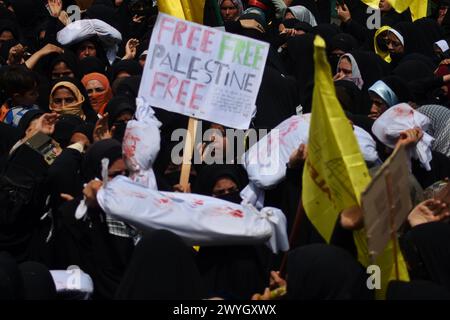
(416, 290)
(115, 107)
(371, 66)
(426, 248)
(210, 174)
(27, 118)
(327, 31)
(10, 136)
(69, 58)
(129, 87)
(350, 97)
(92, 164)
(38, 281)
(132, 67)
(325, 272)
(344, 42)
(277, 99)
(163, 268)
(64, 128)
(90, 65)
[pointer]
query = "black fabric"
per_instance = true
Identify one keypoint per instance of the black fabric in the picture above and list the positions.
(64, 127)
(277, 99)
(416, 290)
(350, 97)
(38, 281)
(22, 194)
(116, 106)
(325, 272)
(87, 129)
(132, 67)
(92, 64)
(27, 118)
(302, 68)
(91, 167)
(162, 267)
(210, 174)
(129, 87)
(69, 58)
(11, 281)
(426, 248)
(440, 169)
(399, 87)
(10, 136)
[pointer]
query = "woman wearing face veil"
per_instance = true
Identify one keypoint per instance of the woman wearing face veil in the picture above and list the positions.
(230, 271)
(101, 246)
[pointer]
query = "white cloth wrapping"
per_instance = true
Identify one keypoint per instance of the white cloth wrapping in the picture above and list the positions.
(197, 219)
(80, 30)
(266, 160)
(73, 280)
(399, 118)
(141, 144)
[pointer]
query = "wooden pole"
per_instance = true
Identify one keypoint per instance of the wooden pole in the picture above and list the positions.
(392, 208)
(187, 152)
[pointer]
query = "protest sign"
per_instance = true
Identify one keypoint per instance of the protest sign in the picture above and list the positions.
(202, 72)
(386, 202)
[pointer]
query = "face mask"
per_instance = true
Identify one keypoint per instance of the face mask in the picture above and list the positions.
(234, 197)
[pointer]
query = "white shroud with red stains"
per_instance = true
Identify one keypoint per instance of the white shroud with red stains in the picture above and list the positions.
(198, 219)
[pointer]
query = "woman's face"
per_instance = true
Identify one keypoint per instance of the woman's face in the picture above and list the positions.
(394, 44)
(344, 69)
(62, 70)
(62, 97)
(378, 106)
(229, 11)
(86, 49)
(384, 6)
(93, 87)
(224, 186)
(117, 168)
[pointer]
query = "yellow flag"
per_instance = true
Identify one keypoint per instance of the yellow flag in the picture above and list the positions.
(418, 7)
(335, 171)
(191, 10)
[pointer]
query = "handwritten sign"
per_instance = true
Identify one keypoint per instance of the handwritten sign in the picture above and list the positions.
(380, 220)
(203, 72)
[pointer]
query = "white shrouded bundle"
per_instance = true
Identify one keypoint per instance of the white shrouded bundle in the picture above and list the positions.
(266, 160)
(198, 220)
(80, 30)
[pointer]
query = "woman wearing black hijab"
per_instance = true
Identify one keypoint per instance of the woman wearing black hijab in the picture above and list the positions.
(325, 272)
(64, 65)
(299, 60)
(233, 271)
(162, 268)
(102, 247)
(426, 249)
(223, 181)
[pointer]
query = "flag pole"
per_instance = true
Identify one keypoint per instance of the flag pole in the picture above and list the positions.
(187, 152)
(392, 208)
(293, 236)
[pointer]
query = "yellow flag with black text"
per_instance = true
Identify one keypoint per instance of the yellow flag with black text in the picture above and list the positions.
(335, 173)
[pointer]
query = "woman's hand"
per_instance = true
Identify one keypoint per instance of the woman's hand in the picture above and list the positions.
(430, 210)
(409, 137)
(90, 193)
(130, 49)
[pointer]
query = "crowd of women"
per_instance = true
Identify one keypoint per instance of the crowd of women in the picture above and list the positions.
(81, 96)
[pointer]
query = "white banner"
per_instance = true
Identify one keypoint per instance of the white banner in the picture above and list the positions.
(202, 72)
